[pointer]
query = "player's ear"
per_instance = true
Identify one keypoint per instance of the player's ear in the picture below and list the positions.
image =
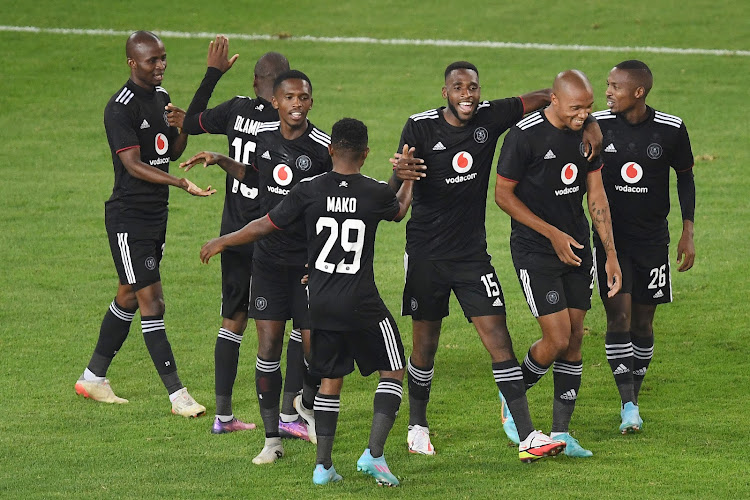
(311, 102)
(364, 154)
(445, 92)
(131, 63)
(330, 150)
(274, 102)
(640, 92)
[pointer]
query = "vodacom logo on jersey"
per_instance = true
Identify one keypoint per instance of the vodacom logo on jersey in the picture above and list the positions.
(161, 143)
(282, 174)
(569, 174)
(462, 162)
(631, 172)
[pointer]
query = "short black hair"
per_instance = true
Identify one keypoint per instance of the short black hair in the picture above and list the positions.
(640, 72)
(460, 65)
(291, 74)
(349, 134)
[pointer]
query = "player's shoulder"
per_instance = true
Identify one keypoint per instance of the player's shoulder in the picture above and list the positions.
(667, 119)
(318, 136)
(430, 114)
(268, 127)
(122, 98)
(162, 90)
(604, 114)
(529, 121)
(374, 181)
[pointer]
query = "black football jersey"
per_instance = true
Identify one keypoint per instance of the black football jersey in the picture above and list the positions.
(281, 165)
(637, 159)
(135, 117)
(449, 205)
(341, 214)
(550, 167)
(240, 119)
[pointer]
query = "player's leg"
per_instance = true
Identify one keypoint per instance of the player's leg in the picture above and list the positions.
(112, 334)
(236, 269)
(617, 342)
(151, 304)
(295, 367)
(380, 348)
(642, 330)
(425, 299)
(305, 401)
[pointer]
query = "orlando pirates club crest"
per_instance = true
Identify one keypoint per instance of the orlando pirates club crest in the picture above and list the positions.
(304, 163)
(654, 151)
(481, 135)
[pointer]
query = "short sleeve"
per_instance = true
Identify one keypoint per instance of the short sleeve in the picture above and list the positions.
(683, 154)
(514, 156)
(291, 207)
(409, 136)
(388, 205)
(507, 112)
(120, 129)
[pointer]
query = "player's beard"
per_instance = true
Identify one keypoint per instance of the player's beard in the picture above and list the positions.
(453, 110)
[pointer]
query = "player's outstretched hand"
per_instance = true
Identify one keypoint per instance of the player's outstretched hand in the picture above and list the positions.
(195, 190)
(218, 50)
(592, 140)
(175, 115)
(406, 167)
(614, 277)
(685, 253)
(562, 243)
(211, 248)
(205, 157)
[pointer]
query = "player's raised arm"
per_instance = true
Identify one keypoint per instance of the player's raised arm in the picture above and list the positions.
(175, 118)
(592, 138)
(218, 52)
(131, 159)
(602, 222)
(252, 231)
(506, 199)
(230, 166)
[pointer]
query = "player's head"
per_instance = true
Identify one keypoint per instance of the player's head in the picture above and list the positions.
(147, 58)
(349, 140)
(572, 100)
(628, 84)
(267, 69)
(462, 91)
(292, 96)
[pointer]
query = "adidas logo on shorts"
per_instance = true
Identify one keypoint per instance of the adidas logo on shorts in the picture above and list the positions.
(620, 370)
(569, 395)
(659, 294)
(497, 302)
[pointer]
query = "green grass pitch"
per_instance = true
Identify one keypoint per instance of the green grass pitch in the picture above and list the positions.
(58, 277)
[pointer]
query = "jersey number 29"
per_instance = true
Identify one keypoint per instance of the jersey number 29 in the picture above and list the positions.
(352, 240)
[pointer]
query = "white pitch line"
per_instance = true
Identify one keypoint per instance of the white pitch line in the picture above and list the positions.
(391, 41)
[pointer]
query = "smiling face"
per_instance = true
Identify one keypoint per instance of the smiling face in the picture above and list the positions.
(623, 91)
(462, 91)
(572, 101)
(147, 59)
(293, 99)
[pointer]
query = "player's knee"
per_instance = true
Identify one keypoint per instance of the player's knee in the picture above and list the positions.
(642, 329)
(618, 321)
(559, 345)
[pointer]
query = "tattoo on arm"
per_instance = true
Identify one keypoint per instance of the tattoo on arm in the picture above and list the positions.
(602, 224)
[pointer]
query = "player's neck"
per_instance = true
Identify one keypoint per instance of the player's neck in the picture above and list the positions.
(637, 114)
(290, 133)
(347, 167)
(553, 119)
(144, 85)
(450, 117)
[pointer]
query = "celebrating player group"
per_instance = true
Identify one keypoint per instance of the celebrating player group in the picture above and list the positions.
(298, 235)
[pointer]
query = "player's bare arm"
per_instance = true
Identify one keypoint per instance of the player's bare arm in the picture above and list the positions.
(536, 100)
(509, 203)
(252, 231)
(218, 52)
(131, 159)
(234, 168)
(602, 221)
(592, 138)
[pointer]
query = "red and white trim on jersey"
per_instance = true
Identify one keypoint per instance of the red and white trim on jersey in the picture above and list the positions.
(526, 285)
(320, 137)
(122, 242)
(125, 96)
(531, 120)
(391, 346)
(506, 179)
(274, 225)
(431, 114)
(125, 149)
(666, 119)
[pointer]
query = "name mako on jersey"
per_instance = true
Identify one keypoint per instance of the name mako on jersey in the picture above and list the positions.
(341, 205)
